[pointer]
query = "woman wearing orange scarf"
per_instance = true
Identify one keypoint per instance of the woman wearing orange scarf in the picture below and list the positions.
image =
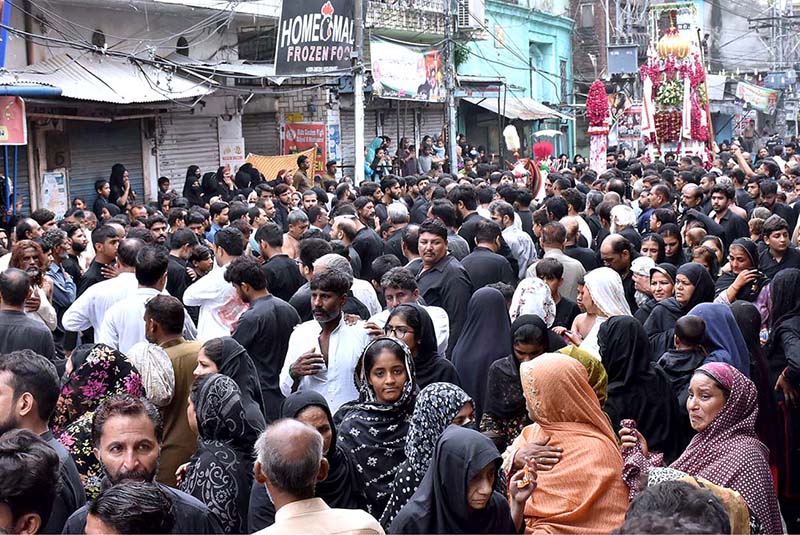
(583, 492)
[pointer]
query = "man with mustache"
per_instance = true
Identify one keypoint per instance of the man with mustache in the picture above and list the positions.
(323, 352)
(127, 434)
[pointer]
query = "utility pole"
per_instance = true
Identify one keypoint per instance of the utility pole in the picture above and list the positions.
(450, 82)
(358, 92)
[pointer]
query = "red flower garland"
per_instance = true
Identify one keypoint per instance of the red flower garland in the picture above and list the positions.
(597, 104)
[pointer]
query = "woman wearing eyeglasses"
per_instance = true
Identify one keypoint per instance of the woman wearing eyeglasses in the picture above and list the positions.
(412, 324)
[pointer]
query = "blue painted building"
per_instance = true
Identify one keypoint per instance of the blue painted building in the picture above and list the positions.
(527, 45)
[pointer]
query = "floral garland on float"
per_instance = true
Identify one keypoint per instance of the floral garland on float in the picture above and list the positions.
(675, 113)
(597, 113)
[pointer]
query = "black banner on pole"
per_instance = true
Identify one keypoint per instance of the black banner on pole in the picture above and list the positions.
(315, 37)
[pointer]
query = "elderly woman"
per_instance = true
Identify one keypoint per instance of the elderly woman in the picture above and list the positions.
(568, 415)
(722, 407)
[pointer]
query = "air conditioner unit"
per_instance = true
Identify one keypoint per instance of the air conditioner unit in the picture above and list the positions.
(471, 14)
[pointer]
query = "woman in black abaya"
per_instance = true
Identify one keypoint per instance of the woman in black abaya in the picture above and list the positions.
(220, 473)
(464, 459)
(693, 285)
(485, 338)
(638, 389)
(338, 490)
(227, 356)
(192, 187)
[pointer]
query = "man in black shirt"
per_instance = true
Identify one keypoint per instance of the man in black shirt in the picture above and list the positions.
(17, 330)
(181, 245)
(367, 243)
(26, 372)
(443, 281)
(283, 275)
(522, 204)
(105, 241)
(769, 199)
(483, 264)
(264, 329)
(130, 431)
(778, 254)
(733, 226)
(465, 199)
(584, 255)
(29, 471)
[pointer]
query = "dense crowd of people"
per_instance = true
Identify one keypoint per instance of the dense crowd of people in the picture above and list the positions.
(439, 349)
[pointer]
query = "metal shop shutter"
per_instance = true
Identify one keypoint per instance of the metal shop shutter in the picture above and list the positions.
(185, 140)
(261, 133)
(95, 148)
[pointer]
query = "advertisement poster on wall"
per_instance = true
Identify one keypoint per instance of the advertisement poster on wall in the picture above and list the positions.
(231, 153)
(54, 195)
(298, 137)
(406, 72)
(315, 37)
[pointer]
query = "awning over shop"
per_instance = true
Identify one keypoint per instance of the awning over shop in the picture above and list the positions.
(237, 69)
(522, 108)
(89, 76)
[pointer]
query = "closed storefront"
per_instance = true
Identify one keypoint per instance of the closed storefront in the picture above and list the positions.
(185, 140)
(261, 133)
(416, 120)
(95, 148)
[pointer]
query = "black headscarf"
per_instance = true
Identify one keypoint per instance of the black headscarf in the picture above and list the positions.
(243, 176)
(440, 503)
(339, 489)
(751, 291)
(237, 364)
(209, 186)
(672, 229)
(220, 472)
(116, 182)
(429, 366)
(485, 338)
(504, 398)
(702, 281)
(785, 303)
(192, 187)
(768, 422)
(373, 434)
(637, 387)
